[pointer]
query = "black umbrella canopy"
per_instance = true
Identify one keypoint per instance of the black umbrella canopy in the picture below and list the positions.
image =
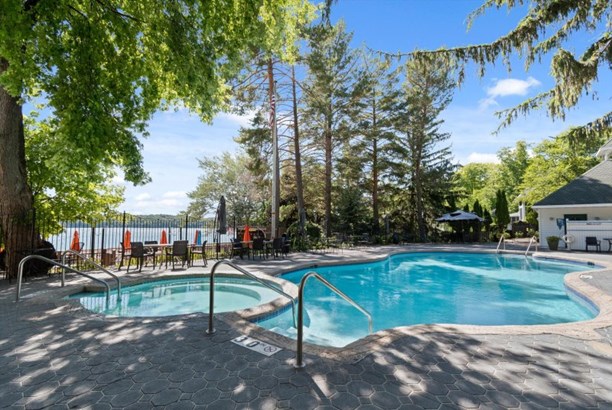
(221, 217)
(459, 215)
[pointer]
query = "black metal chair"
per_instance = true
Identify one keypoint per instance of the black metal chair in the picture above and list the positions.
(179, 249)
(150, 251)
(259, 247)
(277, 247)
(199, 250)
(137, 252)
(593, 241)
(239, 249)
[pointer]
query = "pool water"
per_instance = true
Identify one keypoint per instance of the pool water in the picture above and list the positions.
(428, 288)
(178, 296)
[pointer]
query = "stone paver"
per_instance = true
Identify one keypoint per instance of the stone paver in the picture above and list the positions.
(56, 355)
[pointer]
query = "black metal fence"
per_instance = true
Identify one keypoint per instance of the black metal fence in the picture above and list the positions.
(101, 240)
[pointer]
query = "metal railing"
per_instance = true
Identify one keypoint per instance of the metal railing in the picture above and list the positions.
(299, 363)
(211, 328)
(501, 240)
(52, 262)
(94, 263)
(533, 239)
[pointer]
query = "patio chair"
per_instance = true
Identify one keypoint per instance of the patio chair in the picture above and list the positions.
(593, 241)
(150, 251)
(277, 247)
(199, 250)
(179, 250)
(137, 252)
(259, 247)
(239, 249)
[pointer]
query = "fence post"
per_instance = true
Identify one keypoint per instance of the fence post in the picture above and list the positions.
(93, 241)
(122, 244)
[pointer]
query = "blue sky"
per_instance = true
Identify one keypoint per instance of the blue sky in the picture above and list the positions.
(178, 139)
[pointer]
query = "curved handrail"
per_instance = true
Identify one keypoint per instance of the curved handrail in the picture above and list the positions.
(534, 239)
(211, 328)
(299, 363)
(52, 262)
(86, 259)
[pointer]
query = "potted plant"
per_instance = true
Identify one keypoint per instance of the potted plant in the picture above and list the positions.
(553, 242)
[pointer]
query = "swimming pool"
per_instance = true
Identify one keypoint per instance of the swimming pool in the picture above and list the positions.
(434, 287)
(178, 296)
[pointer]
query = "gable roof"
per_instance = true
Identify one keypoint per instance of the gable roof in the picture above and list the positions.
(592, 187)
(605, 151)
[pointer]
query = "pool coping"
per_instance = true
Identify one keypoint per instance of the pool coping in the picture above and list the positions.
(242, 320)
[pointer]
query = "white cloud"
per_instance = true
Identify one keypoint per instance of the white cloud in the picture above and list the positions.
(512, 86)
(507, 87)
(175, 195)
(145, 196)
(482, 157)
(241, 120)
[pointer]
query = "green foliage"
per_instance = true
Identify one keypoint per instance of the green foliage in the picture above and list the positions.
(228, 175)
(513, 163)
(332, 86)
(545, 28)
(64, 187)
(502, 215)
(478, 182)
(421, 167)
(556, 162)
(351, 211)
(477, 209)
(103, 68)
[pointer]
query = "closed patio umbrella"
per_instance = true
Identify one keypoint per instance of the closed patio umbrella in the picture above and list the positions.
(127, 239)
(247, 234)
(164, 237)
(198, 237)
(75, 244)
(220, 223)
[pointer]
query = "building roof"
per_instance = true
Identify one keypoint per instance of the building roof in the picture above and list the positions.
(605, 151)
(591, 188)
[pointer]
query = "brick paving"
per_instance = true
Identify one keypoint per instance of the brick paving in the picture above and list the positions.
(56, 355)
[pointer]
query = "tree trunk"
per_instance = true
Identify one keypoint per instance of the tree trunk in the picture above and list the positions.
(375, 213)
(328, 178)
(298, 163)
(15, 194)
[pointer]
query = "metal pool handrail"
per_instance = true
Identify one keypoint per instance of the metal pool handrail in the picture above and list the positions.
(299, 363)
(501, 240)
(86, 259)
(534, 239)
(52, 262)
(211, 328)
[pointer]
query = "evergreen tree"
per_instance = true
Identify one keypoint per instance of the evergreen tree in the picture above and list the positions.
(329, 93)
(545, 28)
(502, 215)
(422, 167)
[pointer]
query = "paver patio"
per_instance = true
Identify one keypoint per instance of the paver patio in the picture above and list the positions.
(57, 355)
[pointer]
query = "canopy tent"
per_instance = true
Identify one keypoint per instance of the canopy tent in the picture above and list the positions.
(461, 222)
(459, 215)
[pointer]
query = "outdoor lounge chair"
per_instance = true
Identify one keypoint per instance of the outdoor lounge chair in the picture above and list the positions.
(199, 250)
(179, 250)
(593, 241)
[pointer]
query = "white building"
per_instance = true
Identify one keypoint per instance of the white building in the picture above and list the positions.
(581, 208)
